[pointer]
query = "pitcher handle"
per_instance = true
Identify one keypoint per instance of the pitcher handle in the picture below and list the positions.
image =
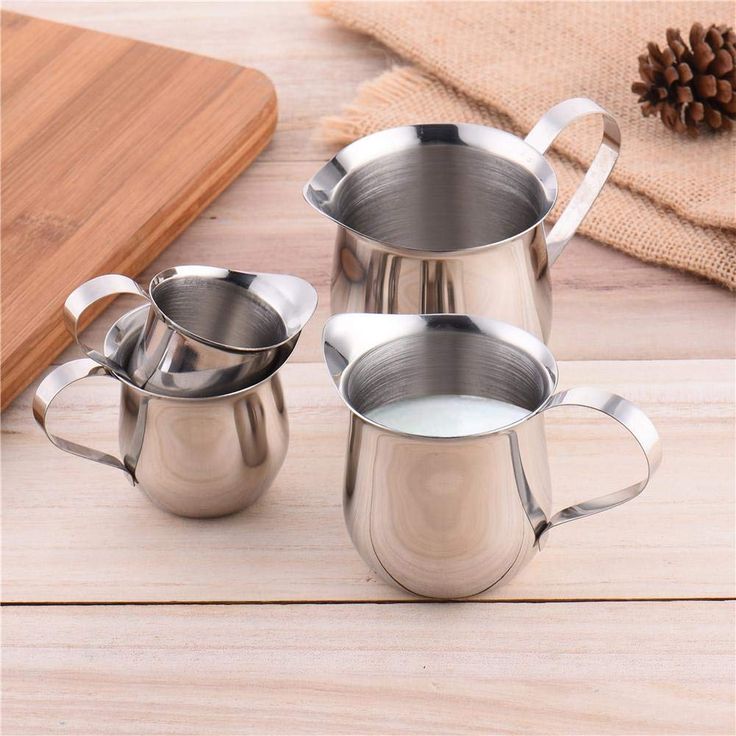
(84, 296)
(51, 386)
(632, 418)
(541, 137)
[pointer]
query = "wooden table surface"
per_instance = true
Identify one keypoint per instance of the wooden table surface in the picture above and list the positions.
(122, 619)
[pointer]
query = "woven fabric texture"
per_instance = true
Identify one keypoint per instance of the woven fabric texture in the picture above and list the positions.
(670, 200)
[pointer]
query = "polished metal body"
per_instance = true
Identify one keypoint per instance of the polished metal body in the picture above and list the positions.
(451, 217)
(197, 457)
(208, 331)
(451, 517)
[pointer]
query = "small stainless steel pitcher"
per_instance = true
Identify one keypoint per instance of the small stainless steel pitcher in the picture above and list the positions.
(198, 457)
(450, 217)
(209, 330)
(450, 514)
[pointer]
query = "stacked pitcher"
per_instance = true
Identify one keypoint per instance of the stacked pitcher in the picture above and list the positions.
(203, 426)
(441, 299)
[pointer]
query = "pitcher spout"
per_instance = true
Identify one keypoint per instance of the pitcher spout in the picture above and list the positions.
(348, 336)
(294, 299)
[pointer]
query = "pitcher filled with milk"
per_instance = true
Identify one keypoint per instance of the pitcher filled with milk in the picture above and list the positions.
(447, 489)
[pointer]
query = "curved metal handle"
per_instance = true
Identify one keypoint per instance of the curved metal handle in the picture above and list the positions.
(541, 137)
(84, 296)
(632, 418)
(51, 387)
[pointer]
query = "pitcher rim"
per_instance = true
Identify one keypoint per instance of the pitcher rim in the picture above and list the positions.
(175, 271)
(488, 326)
(548, 181)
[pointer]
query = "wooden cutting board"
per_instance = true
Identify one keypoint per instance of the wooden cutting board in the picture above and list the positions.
(110, 148)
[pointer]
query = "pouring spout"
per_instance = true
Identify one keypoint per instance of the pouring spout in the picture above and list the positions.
(318, 191)
(348, 336)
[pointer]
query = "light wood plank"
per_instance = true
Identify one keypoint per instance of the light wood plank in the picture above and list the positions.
(75, 531)
(613, 668)
(607, 305)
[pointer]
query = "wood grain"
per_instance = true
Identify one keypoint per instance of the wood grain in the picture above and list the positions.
(76, 531)
(110, 148)
(554, 669)
(607, 305)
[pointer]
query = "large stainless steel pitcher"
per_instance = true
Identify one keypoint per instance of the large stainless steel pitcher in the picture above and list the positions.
(447, 487)
(198, 457)
(451, 217)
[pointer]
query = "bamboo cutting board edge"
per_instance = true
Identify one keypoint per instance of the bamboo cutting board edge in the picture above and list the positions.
(247, 95)
(44, 344)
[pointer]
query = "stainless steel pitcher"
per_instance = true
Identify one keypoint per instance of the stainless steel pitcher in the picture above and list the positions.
(198, 457)
(451, 516)
(451, 217)
(208, 331)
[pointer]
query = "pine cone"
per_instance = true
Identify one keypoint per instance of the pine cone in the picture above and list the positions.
(690, 87)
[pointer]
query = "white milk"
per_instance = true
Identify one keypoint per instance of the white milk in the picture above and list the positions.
(446, 415)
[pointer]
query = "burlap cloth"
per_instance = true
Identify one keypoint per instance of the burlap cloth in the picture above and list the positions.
(670, 200)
